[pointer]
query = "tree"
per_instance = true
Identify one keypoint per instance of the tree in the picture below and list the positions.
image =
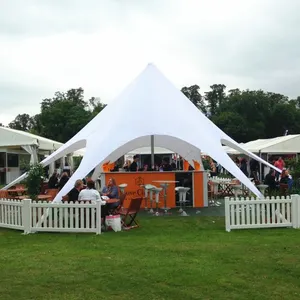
(22, 122)
(215, 98)
(232, 124)
(193, 94)
(64, 115)
(96, 106)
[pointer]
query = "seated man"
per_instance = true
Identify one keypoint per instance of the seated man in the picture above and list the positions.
(91, 194)
(74, 193)
(111, 190)
(270, 180)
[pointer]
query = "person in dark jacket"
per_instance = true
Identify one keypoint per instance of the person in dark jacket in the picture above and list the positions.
(134, 167)
(74, 193)
(270, 180)
(53, 180)
(166, 166)
(244, 167)
(63, 180)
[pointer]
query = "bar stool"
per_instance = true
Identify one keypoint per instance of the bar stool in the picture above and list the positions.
(165, 187)
(182, 199)
(148, 189)
(122, 187)
(156, 192)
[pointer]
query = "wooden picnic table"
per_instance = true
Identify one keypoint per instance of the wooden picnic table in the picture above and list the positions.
(17, 191)
(111, 201)
(39, 197)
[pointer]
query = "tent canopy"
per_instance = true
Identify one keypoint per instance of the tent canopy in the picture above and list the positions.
(288, 144)
(158, 109)
(12, 138)
(141, 151)
(147, 150)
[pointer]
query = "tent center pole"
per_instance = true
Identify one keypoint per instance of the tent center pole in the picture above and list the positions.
(152, 151)
(260, 168)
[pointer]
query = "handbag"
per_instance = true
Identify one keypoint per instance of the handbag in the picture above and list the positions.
(113, 222)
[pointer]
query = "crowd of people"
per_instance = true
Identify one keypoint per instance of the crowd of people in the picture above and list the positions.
(135, 166)
(273, 178)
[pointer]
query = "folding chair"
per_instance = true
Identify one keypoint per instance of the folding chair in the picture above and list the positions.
(129, 215)
(118, 210)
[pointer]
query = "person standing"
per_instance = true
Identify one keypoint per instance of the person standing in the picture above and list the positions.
(279, 163)
(244, 167)
(134, 166)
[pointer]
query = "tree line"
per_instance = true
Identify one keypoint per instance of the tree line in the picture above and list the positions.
(244, 115)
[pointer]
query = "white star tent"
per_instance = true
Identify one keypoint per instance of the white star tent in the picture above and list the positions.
(156, 108)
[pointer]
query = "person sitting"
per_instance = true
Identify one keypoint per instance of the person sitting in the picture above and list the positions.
(67, 169)
(111, 190)
(63, 180)
(74, 193)
(90, 193)
(270, 180)
(53, 180)
(284, 178)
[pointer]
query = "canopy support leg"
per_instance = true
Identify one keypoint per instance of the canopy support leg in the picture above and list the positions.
(152, 151)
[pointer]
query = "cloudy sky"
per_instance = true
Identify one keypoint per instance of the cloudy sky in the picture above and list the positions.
(101, 45)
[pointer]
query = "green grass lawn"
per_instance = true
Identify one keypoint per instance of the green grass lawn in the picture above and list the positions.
(167, 258)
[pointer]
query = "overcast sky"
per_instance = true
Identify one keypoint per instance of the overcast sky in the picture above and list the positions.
(101, 45)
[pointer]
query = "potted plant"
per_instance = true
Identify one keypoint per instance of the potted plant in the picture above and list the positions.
(33, 181)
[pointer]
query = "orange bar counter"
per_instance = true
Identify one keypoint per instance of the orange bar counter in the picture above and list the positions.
(195, 180)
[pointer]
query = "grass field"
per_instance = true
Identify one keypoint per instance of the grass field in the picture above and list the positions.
(167, 258)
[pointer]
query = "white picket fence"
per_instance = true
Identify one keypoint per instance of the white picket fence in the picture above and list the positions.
(31, 216)
(250, 213)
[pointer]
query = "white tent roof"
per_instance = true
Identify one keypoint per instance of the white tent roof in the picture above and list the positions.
(11, 137)
(142, 151)
(288, 144)
(147, 150)
(184, 133)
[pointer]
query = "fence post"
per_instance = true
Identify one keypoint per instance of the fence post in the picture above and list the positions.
(26, 215)
(295, 214)
(227, 214)
(98, 217)
(297, 199)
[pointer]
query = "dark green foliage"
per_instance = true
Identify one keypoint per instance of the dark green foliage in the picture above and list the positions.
(61, 117)
(34, 180)
(248, 115)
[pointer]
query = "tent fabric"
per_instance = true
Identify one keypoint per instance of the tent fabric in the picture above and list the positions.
(32, 150)
(111, 134)
(141, 151)
(11, 137)
(147, 150)
(186, 150)
(288, 144)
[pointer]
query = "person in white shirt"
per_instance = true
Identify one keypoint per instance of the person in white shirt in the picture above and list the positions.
(90, 193)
